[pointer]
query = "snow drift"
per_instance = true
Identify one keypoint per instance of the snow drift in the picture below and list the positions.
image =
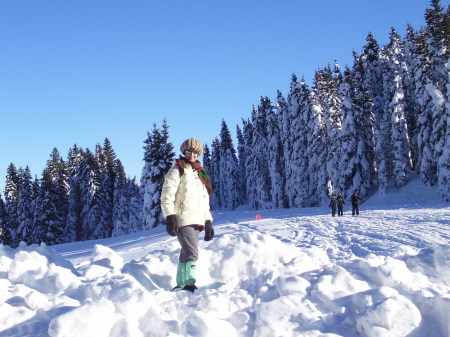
(296, 272)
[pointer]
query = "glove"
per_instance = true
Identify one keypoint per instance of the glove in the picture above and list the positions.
(172, 225)
(209, 231)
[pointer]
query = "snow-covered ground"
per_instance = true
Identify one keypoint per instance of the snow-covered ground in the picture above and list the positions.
(295, 272)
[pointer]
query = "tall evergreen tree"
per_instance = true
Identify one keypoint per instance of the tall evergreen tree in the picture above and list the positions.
(287, 132)
(438, 52)
(74, 225)
(12, 188)
(106, 158)
(215, 175)
(250, 159)
(158, 157)
(206, 157)
(25, 207)
(444, 160)
(264, 183)
(5, 234)
(89, 193)
(51, 211)
(241, 149)
(317, 150)
(330, 102)
(412, 108)
(371, 63)
(348, 136)
(394, 74)
(276, 158)
(135, 215)
(356, 168)
(229, 170)
(421, 68)
(365, 126)
(298, 178)
(121, 202)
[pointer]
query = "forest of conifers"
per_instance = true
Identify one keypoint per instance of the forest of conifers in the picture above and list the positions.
(366, 127)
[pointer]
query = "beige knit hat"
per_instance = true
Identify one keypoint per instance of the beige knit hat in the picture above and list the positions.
(192, 144)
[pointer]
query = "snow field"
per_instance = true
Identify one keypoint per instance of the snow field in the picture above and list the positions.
(296, 272)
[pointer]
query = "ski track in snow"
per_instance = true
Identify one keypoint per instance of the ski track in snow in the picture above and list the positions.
(373, 231)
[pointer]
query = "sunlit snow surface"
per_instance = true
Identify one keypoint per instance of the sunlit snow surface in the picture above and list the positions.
(295, 272)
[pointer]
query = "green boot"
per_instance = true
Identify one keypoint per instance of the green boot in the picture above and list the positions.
(191, 272)
(181, 275)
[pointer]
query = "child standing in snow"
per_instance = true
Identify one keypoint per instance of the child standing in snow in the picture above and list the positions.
(185, 205)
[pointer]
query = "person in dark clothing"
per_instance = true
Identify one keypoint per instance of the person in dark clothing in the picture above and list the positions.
(354, 199)
(340, 204)
(333, 204)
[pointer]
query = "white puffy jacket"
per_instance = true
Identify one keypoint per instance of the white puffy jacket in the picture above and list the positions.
(185, 196)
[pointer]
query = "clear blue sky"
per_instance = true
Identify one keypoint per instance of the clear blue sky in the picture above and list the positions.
(76, 72)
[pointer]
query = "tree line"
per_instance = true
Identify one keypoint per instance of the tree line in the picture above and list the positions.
(364, 127)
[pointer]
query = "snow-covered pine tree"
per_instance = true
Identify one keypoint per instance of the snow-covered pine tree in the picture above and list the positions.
(264, 183)
(106, 162)
(370, 59)
(298, 178)
(35, 190)
(333, 126)
(438, 53)
(248, 131)
(430, 49)
(121, 202)
(74, 224)
(136, 216)
(242, 169)
(373, 79)
(412, 108)
(44, 229)
(384, 150)
(334, 154)
(5, 234)
(357, 159)
(51, 212)
(25, 207)
(276, 157)
(421, 68)
(229, 170)
(394, 74)
(12, 188)
(318, 150)
(444, 160)
(215, 175)
(365, 126)
(90, 198)
(287, 132)
(207, 164)
(349, 175)
(158, 157)
(206, 158)
(438, 40)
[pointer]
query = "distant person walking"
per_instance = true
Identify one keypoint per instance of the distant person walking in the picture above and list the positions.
(333, 204)
(354, 199)
(340, 204)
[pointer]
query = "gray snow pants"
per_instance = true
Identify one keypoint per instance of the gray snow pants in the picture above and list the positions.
(188, 239)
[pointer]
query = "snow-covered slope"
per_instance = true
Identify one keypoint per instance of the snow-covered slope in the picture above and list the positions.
(295, 272)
